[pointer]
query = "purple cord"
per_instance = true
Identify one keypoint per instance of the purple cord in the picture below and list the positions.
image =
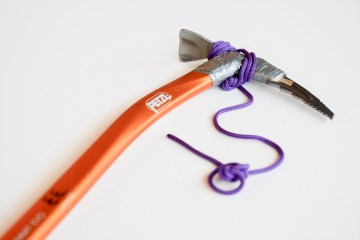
(232, 172)
(247, 69)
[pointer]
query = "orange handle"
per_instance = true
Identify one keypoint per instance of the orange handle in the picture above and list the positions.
(48, 211)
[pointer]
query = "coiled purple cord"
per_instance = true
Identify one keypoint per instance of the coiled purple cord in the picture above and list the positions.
(247, 69)
(232, 172)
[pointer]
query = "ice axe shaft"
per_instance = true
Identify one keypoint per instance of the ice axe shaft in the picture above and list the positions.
(51, 208)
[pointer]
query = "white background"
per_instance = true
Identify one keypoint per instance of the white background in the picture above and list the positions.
(69, 68)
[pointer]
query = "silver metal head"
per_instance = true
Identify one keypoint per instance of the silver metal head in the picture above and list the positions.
(222, 67)
(275, 77)
(193, 46)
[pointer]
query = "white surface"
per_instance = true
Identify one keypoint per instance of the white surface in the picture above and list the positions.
(69, 68)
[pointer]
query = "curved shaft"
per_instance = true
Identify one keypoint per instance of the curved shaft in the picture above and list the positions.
(49, 210)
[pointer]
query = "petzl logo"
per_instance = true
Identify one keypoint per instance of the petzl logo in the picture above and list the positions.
(158, 101)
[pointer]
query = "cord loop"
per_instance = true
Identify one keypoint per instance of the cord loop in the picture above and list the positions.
(232, 172)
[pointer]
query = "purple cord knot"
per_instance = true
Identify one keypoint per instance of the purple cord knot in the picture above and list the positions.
(232, 172)
(247, 69)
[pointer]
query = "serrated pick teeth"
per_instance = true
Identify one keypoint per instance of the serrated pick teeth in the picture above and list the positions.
(299, 92)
